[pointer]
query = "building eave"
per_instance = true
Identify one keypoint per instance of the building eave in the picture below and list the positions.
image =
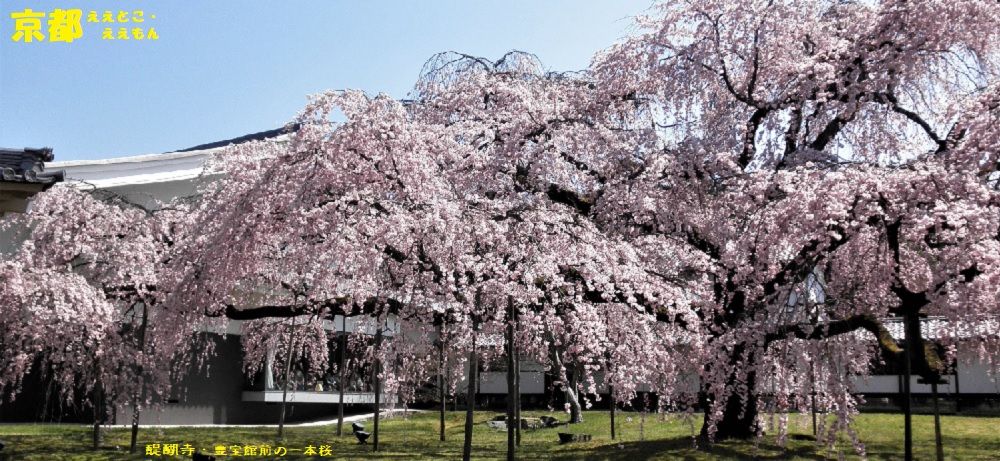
(142, 169)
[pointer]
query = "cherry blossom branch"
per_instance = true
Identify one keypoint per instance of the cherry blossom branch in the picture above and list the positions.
(891, 100)
(824, 330)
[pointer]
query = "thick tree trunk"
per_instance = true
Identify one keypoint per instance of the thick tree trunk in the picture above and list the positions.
(573, 399)
(575, 412)
(342, 372)
(569, 388)
(733, 425)
(470, 401)
(739, 420)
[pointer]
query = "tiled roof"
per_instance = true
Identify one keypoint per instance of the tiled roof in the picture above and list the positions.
(246, 138)
(937, 327)
(26, 166)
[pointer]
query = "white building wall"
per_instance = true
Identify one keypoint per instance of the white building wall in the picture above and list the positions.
(879, 384)
(973, 378)
(495, 382)
(974, 375)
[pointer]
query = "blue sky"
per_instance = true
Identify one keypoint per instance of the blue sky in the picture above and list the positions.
(225, 68)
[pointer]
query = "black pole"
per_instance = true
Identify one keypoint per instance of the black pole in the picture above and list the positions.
(342, 380)
(611, 396)
(454, 397)
(470, 400)
(441, 381)
(98, 393)
(98, 415)
(812, 395)
(958, 391)
(907, 398)
(138, 392)
(517, 386)
(288, 368)
(938, 446)
(378, 385)
(511, 422)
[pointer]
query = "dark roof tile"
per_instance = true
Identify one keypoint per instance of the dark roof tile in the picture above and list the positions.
(27, 166)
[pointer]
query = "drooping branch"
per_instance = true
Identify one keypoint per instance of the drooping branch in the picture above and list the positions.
(596, 296)
(893, 103)
(823, 330)
(926, 362)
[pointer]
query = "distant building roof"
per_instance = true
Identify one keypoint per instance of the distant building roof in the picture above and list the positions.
(26, 166)
(245, 138)
(22, 175)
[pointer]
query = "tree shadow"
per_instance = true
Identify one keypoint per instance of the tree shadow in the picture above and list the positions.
(682, 448)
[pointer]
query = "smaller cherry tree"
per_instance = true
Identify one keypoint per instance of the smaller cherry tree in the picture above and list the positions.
(83, 286)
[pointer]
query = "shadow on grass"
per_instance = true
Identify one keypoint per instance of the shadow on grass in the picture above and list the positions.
(682, 448)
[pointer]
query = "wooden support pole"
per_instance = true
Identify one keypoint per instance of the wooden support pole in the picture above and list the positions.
(470, 401)
(511, 421)
(342, 379)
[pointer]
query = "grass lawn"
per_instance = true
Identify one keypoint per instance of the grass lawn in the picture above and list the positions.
(416, 438)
